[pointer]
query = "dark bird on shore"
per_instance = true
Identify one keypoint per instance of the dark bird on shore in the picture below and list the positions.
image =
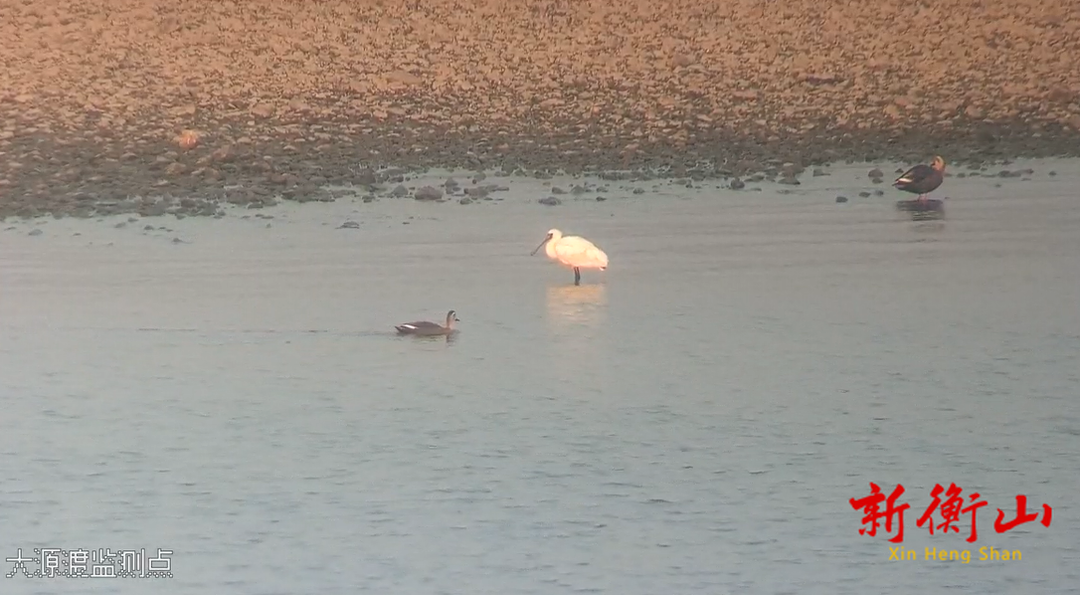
(922, 179)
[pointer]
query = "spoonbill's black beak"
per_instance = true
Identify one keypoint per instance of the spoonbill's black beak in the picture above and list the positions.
(540, 246)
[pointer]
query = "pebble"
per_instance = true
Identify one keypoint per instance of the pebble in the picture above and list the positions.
(549, 201)
(428, 193)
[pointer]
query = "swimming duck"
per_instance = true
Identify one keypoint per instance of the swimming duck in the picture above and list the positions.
(424, 328)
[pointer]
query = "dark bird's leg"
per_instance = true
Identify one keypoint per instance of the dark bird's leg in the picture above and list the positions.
(577, 276)
(922, 198)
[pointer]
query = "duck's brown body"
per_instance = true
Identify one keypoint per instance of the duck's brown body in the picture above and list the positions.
(922, 179)
(423, 328)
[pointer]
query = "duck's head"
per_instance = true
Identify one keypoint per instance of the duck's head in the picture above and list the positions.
(938, 164)
(451, 318)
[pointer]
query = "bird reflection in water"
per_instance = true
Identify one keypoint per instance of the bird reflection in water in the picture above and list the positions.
(436, 339)
(577, 305)
(926, 210)
(577, 342)
(928, 226)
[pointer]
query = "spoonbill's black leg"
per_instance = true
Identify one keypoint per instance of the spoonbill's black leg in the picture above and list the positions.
(577, 276)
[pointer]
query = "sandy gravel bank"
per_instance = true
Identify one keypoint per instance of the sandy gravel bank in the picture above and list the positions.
(282, 98)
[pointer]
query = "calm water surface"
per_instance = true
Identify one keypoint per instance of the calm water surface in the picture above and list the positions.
(694, 420)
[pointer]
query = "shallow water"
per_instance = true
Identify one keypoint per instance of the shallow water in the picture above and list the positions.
(693, 420)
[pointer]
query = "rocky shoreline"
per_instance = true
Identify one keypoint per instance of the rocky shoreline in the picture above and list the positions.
(126, 106)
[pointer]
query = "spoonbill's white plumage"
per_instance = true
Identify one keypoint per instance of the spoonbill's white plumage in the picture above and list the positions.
(573, 251)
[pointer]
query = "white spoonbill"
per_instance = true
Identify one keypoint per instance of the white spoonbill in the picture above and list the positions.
(573, 251)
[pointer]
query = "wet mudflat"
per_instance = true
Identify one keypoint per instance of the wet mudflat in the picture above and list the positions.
(695, 419)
